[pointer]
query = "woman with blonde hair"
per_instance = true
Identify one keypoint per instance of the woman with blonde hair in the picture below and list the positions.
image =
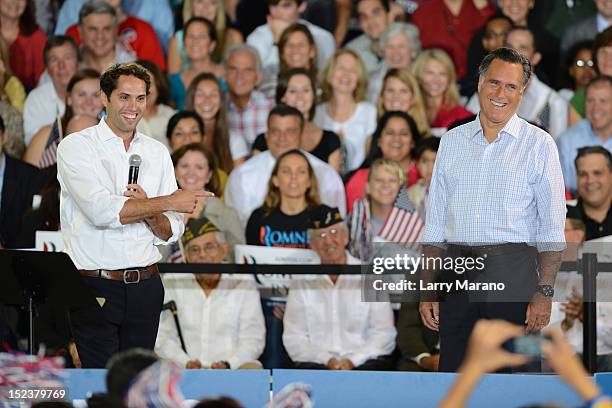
(435, 72)
(293, 193)
(385, 213)
(401, 92)
(343, 110)
(205, 97)
(214, 11)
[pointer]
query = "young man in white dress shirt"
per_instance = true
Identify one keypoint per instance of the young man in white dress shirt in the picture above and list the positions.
(220, 315)
(110, 228)
(326, 323)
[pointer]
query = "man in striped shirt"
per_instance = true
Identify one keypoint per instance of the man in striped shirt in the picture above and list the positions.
(496, 194)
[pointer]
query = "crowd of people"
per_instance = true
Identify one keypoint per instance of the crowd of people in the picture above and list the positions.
(310, 132)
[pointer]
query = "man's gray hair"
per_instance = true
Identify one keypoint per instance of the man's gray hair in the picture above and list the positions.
(507, 55)
(410, 31)
(96, 7)
(244, 47)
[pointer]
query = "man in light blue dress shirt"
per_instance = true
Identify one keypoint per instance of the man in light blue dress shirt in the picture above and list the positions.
(497, 193)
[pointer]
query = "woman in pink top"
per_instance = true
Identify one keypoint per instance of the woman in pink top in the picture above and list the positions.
(394, 139)
(26, 40)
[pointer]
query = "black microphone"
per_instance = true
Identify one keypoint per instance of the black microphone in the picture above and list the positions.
(135, 162)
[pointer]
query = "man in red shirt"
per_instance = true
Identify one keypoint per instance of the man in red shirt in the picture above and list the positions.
(450, 25)
(134, 34)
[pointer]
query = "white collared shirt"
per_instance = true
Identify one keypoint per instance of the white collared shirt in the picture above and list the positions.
(40, 109)
(247, 185)
(227, 325)
(564, 284)
(92, 169)
(324, 320)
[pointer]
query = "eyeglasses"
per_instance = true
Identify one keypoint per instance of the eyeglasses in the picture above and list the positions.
(584, 63)
(208, 249)
(332, 233)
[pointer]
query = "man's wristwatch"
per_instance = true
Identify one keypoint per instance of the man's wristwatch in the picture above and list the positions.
(546, 290)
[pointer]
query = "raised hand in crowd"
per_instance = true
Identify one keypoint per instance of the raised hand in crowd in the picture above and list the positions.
(563, 360)
(573, 310)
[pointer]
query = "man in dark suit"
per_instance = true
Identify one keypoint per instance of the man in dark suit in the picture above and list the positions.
(19, 182)
(418, 345)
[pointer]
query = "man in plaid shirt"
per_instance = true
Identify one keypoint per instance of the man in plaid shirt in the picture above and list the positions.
(247, 108)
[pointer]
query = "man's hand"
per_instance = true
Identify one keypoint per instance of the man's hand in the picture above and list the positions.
(135, 191)
(538, 313)
(277, 27)
(431, 363)
(219, 365)
(193, 364)
(346, 364)
(184, 201)
(485, 352)
(74, 354)
(573, 310)
(430, 314)
(333, 364)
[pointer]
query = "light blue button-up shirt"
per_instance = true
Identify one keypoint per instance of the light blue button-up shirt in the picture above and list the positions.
(580, 135)
(510, 190)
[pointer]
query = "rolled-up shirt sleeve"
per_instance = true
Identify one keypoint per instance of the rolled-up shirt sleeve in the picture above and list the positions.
(168, 186)
(550, 199)
(77, 174)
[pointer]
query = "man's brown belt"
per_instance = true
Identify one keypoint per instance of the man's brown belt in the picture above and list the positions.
(128, 275)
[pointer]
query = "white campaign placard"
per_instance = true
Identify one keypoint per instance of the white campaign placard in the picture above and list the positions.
(49, 241)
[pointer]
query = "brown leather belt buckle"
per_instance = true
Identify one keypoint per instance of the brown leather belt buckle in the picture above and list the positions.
(131, 276)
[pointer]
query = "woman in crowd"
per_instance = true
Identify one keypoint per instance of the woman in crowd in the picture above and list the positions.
(212, 10)
(195, 169)
(205, 97)
(25, 39)
(297, 89)
(11, 87)
(400, 44)
(435, 72)
(184, 127)
(157, 114)
(83, 103)
(401, 92)
(580, 68)
(283, 218)
(297, 49)
(385, 212)
(394, 139)
(343, 109)
(200, 39)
